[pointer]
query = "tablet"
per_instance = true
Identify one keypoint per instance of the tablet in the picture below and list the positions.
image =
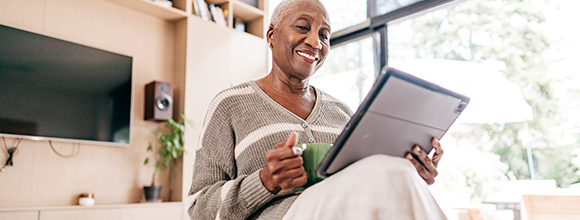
(400, 110)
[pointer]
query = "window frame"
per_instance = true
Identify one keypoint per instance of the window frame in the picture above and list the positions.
(378, 24)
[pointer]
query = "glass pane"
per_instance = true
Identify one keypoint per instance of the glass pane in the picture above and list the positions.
(517, 60)
(348, 72)
(343, 13)
(386, 6)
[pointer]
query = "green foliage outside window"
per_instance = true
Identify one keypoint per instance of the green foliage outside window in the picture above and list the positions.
(512, 34)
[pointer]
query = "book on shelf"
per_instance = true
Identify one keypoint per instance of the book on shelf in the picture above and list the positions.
(196, 8)
(222, 15)
(203, 10)
(218, 15)
(226, 15)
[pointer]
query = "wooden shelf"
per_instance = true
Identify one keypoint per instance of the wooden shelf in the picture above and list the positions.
(216, 2)
(246, 12)
(240, 9)
(148, 7)
(252, 16)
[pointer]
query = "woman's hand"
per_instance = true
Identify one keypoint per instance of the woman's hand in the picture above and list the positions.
(428, 168)
(284, 168)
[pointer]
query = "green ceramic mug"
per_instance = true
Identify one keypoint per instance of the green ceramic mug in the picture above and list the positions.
(312, 155)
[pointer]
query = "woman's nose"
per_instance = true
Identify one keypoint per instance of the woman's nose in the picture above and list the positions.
(313, 41)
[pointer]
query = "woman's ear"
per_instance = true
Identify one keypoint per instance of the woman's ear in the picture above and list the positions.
(270, 35)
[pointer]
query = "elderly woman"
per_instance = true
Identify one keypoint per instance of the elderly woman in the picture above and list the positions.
(245, 167)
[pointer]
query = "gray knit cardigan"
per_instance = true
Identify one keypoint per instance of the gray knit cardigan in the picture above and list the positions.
(242, 123)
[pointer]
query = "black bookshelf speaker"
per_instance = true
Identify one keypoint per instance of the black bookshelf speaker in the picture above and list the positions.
(158, 101)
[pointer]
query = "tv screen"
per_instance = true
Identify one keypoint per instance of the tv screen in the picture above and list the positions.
(56, 89)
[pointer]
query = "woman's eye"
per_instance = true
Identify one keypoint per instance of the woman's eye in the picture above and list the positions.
(303, 27)
(324, 36)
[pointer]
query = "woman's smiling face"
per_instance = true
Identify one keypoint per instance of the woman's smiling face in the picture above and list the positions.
(300, 42)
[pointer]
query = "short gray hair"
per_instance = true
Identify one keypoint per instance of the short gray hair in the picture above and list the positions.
(283, 9)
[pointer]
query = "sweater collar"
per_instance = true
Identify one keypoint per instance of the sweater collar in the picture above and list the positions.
(313, 114)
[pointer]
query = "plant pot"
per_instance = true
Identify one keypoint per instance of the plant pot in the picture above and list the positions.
(152, 193)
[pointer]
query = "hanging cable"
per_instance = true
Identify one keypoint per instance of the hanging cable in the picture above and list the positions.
(11, 152)
(66, 156)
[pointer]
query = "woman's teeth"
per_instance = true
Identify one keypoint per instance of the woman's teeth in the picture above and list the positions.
(307, 56)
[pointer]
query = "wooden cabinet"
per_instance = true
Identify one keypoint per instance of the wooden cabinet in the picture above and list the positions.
(19, 215)
(85, 214)
(141, 211)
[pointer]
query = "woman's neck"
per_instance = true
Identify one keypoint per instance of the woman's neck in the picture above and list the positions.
(283, 84)
(293, 94)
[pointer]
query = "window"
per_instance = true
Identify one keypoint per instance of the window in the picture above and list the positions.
(386, 6)
(349, 71)
(343, 13)
(527, 44)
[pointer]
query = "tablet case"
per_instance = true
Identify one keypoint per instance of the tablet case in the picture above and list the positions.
(401, 110)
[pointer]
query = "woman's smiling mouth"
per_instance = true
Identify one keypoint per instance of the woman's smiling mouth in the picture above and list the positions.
(309, 58)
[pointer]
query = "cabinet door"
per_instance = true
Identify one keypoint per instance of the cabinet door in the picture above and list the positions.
(23, 215)
(165, 213)
(93, 214)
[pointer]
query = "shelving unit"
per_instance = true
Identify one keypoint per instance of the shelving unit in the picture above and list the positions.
(177, 12)
(199, 57)
(252, 16)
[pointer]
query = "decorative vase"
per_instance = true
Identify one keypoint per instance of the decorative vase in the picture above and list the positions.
(152, 193)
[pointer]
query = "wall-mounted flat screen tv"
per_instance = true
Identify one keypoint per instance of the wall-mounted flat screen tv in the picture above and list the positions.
(56, 89)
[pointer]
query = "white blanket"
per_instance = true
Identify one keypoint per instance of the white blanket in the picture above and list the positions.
(377, 187)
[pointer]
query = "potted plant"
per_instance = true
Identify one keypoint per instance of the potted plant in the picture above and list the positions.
(170, 150)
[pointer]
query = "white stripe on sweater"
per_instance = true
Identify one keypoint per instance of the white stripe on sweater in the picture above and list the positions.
(215, 103)
(225, 189)
(191, 198)
(325, 129)
(263, 132)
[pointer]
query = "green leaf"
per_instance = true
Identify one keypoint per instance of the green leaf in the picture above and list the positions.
(171, 144)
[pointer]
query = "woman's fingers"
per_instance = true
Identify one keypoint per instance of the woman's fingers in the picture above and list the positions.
(278, 166)
(427, 162)
(291, 178)
(287, 179)
(283, 150)
(290, 142)
(424, 173)
(425, 166)
(280, 154)
(438, 151)
(284, 168)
